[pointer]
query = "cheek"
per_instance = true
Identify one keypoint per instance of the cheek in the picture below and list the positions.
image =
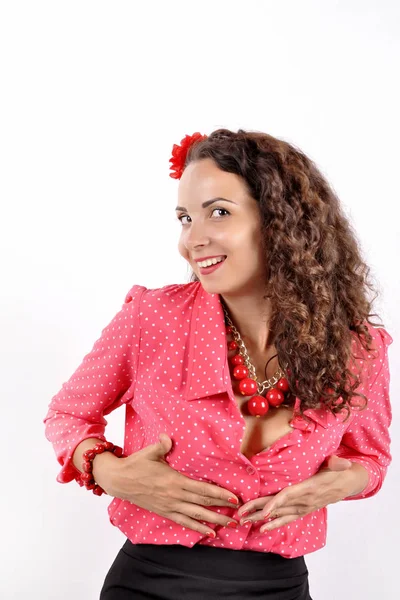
(182, 249)
(246, 241)
(247, 247)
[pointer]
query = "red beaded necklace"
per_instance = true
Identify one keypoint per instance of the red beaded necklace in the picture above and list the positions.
(244, 371)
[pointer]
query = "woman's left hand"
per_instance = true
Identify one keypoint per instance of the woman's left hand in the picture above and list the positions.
(331, 484)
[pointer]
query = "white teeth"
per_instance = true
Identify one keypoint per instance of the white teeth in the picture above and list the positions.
(210, 261)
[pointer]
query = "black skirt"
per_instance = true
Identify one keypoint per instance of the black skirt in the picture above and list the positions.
(171, 572)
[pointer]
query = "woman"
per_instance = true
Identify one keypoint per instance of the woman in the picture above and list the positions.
(256, 394)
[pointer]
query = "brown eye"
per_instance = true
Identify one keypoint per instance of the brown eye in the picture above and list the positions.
(221, 210)
(183, 217)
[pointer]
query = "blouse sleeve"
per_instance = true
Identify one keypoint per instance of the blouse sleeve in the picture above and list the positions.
(367, 439)
(103, 382)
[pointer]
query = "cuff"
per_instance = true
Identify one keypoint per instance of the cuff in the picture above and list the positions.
(69, 472)
(375, 478)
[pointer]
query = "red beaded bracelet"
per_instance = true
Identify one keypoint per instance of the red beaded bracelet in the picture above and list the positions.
(86, 478)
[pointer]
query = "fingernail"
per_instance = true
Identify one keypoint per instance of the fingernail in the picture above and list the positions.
(232, 524)
(267, 516)
(233, 501)
(246, 521)
(244, 513)
(211, 534)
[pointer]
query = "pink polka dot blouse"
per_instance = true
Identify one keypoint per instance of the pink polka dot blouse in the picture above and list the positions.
(164, 356)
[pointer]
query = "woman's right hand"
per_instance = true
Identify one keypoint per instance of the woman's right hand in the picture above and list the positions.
(145, 479)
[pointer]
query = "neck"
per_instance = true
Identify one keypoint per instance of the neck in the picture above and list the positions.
(251, 316)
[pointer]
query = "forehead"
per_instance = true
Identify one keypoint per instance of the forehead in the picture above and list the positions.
(203, 180)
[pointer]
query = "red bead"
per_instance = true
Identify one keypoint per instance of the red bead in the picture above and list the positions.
(237, 359)
(258, 406)
(228, 329)
(275, 397)
(248, 387)
(87, 466)
(98, 449)
(86, 478)
(88, 455)
(240, 372)
(232, 345)
(283, 384)
(98, 491)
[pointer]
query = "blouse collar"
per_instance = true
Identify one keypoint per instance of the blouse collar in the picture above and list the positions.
(207, 313)
(213, 359)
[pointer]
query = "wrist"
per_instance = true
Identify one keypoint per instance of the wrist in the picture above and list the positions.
(104, 467)
(98, 481)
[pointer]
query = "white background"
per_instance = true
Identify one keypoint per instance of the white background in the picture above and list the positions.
(93, 96)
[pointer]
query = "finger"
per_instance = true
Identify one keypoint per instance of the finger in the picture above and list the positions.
(284, 511)
(186, 521)
(278, 523)
(192, 498)
(258, 515)
(252, 517)
(264, 505)
(158, 450)
(261, 515)
(198, 513)
(286, 498)
(253, 505)
(208, 490)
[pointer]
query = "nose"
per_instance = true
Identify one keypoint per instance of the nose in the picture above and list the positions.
(196, 236)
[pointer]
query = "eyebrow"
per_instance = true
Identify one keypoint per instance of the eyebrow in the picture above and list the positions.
(207, 203)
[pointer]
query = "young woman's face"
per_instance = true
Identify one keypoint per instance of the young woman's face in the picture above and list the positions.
(228, 229)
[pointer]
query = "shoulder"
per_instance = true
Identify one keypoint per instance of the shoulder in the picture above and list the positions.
(172, 295)
(381, 340)
(382, 337)
(374, 361)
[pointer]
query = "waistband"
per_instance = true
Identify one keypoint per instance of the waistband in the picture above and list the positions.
(218, 563)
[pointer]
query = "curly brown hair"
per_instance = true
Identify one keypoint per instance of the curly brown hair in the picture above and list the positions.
(316, 278)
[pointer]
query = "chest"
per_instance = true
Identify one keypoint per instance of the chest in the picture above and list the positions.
(261, 432)
(187, 390)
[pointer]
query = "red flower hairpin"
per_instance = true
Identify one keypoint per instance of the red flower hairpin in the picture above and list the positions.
(179, 153)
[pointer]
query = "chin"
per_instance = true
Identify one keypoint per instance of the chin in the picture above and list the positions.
(215, 287)
(236, 289)
(211, 288)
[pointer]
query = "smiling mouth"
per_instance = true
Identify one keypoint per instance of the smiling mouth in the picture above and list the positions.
(210, 262)
(212, 268)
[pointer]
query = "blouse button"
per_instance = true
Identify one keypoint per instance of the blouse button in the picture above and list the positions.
(250, 470)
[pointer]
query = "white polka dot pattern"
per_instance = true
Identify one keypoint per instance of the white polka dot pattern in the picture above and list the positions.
(103, 381)
(164, 356)
(367, 439)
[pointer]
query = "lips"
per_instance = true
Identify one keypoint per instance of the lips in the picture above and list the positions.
(211, 268)
(209, 257)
